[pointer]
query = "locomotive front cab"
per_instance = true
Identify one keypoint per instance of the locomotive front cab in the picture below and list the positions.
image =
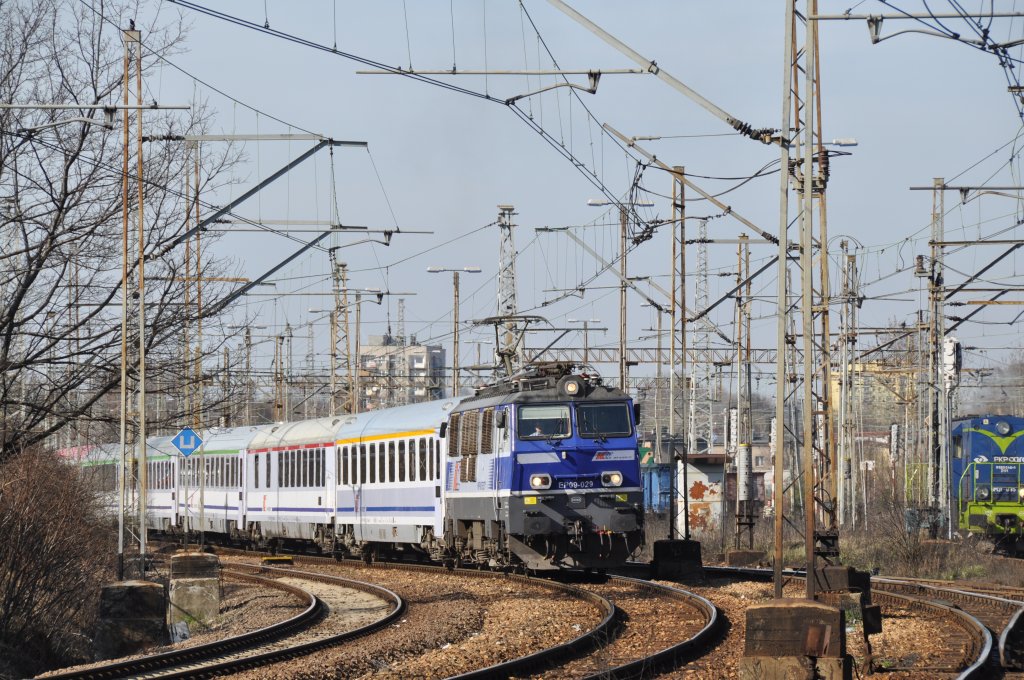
(987, 456)
(543, 472)
(576, 495)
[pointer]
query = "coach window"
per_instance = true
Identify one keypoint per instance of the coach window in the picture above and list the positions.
(430, 457)
(401, 461)
(413, 468)
(423, 459)
(438, 469)
(371, 462)
(341, 463)
(267, 482)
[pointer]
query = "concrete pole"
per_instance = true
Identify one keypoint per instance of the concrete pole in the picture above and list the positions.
(455, 334)
(356, 395)
(782, 302)
(622, 300)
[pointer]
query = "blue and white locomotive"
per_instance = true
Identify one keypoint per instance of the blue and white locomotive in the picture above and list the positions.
(543, 471)
(540, 471)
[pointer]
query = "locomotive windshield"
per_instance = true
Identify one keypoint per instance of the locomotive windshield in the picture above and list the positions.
(543, 422)
(603, 420)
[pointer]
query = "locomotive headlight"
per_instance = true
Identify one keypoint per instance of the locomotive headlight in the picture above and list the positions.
(611, 478)
(1003, 428)
(540, 481)
(982, 492)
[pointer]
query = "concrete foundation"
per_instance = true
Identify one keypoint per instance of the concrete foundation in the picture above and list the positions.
(195, 588)
(744, 558)
(677, 559)
(132, 618)
(795, 639)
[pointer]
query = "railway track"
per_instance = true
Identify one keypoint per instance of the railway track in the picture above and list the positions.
(633, 639)
(982, 624)
(624, 642)
(249, 650)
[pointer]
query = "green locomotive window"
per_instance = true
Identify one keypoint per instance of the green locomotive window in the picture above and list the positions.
(543, 422)
(601, 421)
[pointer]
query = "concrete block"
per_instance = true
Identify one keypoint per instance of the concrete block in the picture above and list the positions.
(744, 558)
(677, 559)
(791, 627)
(194, 600)
(194, 565)
(132, 619)
(842, 578)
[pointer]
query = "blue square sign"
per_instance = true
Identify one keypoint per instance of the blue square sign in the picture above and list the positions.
(187, 441)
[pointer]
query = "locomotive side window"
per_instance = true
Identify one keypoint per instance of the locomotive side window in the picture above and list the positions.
(438, 468)
(362, 463)
(543, 422)
(601, 421)
(372, 462)
(256, 471)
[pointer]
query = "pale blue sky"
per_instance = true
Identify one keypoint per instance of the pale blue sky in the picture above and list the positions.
(919, 106)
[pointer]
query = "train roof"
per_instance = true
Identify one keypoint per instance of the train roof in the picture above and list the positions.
(296, 433)
(419, 417)
(158, 447)
(232, 439)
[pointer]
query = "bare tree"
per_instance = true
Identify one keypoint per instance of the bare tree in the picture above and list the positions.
(52, 561)
(61, 220)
